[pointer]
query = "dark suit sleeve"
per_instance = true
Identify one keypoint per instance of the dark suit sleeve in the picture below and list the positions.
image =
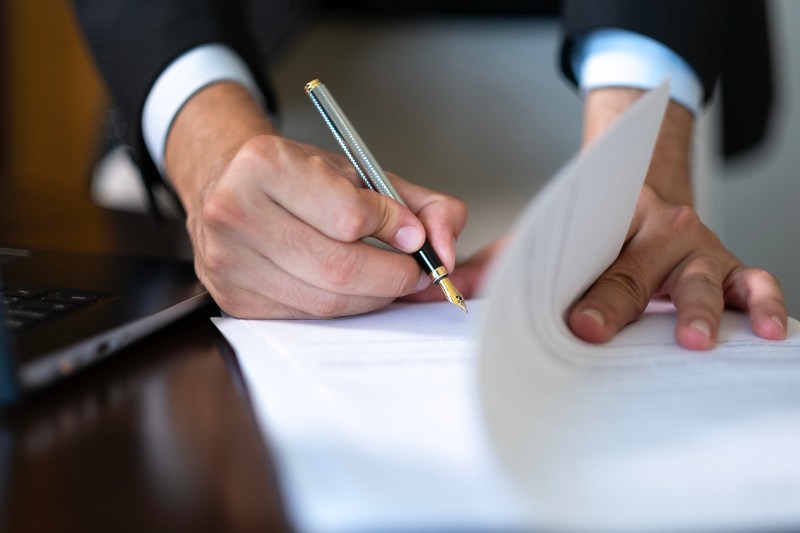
(691, 28)
(725, 40)
(133, 41)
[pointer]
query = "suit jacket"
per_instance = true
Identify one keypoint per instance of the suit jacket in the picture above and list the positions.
(134, 40)
(723, 40)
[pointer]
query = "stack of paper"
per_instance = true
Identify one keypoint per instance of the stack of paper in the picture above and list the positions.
(418, 417)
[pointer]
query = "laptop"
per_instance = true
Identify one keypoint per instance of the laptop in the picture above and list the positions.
(63, 311)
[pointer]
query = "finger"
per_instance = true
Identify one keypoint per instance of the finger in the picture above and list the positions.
(622, 292)
(254, 287)
(759, 293)
(356, 268)
(443, 217)
(696, 291)
(620, 295)
(327, 199)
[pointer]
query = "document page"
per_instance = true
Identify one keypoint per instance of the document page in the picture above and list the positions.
(373, 420)
(419, 417)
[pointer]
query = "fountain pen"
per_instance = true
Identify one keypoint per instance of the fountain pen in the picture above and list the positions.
(373, 176)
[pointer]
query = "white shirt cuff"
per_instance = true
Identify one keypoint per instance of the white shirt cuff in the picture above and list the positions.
(621, 58)
(190, 72)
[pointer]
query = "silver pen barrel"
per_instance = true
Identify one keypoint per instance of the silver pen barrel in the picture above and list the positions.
(373, 176)
(355, 148)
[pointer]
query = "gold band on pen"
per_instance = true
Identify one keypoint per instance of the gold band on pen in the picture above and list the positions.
(437, 274)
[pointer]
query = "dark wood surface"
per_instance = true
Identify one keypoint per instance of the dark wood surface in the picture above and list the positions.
(157, 438)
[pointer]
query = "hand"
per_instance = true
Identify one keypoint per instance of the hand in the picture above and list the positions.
(277, 225)
(668, 251)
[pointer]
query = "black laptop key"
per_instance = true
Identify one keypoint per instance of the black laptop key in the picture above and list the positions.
(77, 298)
(23, 292)
(23, 318)
(28, 305)
(27, 314)
(15, 323)
(45, 305)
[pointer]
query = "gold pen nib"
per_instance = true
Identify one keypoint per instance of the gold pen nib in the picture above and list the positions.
(451, 293)
(441, 278)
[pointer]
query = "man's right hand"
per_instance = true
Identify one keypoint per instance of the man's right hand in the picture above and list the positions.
(277, 226)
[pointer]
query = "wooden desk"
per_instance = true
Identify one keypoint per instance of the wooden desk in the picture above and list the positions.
(158, 438)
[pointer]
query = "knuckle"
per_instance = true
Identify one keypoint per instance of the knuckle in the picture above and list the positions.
(460, 206)
(704, 283)
(322, 167)
(457, 207)
(763, 278)
(404, 282)
(702, 272)
(387, 215)
(629, 283)
(341, 266)
(352, 175)
(703, 266)
(220, 210)
(760, 285)
(317, 164)
(258, 150)
(685, 220)
(453, 203)
(706, 278)
(404, 279)
(350, 223)
(328, 305)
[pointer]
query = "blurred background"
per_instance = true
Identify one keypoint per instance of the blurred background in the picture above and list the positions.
(474, 107)
(51, 107)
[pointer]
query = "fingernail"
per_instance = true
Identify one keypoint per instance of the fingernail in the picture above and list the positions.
(778, 321)
(595, 315)
(701, 326)
(423, 282)
(408, 238)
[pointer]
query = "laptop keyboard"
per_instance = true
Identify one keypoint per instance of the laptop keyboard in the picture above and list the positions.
(29, 305)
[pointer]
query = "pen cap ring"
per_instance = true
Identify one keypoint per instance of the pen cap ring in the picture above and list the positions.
(312, 85)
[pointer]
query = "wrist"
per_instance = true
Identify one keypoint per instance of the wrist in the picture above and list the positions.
(669, 174)
(207, 132)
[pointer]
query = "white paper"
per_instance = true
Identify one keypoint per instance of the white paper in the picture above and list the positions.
(418, 417)
(373, 420)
